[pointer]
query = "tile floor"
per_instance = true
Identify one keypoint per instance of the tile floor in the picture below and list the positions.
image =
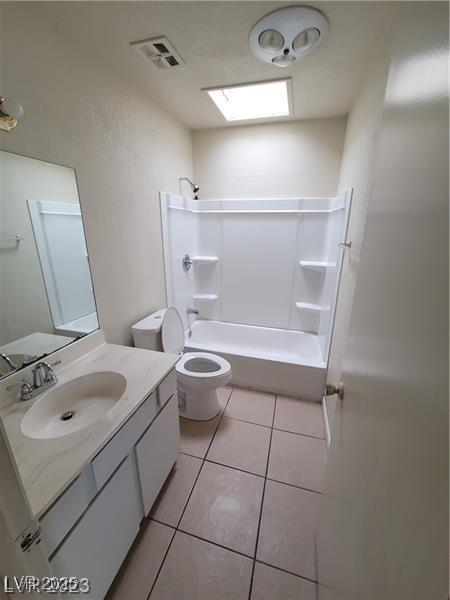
(237, 517)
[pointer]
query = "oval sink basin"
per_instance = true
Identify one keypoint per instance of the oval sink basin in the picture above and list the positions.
(73, 405)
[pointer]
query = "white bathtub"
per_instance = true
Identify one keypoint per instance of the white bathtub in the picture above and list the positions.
(275, 360)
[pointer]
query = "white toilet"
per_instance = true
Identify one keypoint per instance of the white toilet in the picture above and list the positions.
(199, 374)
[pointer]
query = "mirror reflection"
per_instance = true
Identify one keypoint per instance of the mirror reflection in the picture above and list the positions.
(46, 293)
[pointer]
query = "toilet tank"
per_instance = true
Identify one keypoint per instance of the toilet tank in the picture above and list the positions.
(147, 332)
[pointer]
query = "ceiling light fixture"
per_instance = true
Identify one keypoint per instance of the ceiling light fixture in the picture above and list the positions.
(10, 112)
(253, 100)
(288, 34)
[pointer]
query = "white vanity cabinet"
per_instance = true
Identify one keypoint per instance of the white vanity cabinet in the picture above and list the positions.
(157, 451)
(98, 544)
(89, 529)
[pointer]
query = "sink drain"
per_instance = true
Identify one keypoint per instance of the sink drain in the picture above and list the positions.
(67, 415)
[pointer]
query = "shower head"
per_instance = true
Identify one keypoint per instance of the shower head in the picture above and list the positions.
(195, 188)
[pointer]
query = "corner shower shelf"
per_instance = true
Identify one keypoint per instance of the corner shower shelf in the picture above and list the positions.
(316, 308)
(316, 265)
(204, 260)
(205, 297)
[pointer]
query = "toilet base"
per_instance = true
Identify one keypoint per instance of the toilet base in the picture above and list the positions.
(198, 405)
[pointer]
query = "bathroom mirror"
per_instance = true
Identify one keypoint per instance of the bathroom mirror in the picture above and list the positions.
(46, 293)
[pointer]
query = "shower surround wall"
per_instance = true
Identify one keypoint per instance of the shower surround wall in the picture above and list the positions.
(271, 263)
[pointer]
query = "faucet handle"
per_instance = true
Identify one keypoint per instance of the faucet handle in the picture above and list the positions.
(26, 390)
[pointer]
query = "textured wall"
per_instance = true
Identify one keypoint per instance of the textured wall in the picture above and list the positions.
(298, 158)
(80, 112)
(356, 172)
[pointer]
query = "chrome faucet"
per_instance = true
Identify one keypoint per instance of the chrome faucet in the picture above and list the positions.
(9, 361)
(43, 378)
(192, 311)
(43, 375)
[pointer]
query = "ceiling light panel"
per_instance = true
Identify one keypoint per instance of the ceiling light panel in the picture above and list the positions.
(253, 101)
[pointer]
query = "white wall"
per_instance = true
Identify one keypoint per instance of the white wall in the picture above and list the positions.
(79, 111)
(356, 171)
(296, 158)
(24, 307)
(383, 528)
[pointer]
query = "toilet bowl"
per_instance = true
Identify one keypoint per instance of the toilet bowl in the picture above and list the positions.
(199, 374)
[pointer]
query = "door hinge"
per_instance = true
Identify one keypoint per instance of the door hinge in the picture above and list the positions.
(331, 389)
(29, 537)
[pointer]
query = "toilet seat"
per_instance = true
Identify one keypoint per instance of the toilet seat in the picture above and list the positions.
(202, 365)
(199, 374)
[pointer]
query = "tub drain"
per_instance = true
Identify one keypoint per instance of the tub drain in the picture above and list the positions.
(67, 415)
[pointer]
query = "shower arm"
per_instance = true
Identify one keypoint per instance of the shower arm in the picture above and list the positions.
(195, 188)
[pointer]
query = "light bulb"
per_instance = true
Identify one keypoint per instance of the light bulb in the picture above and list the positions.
(11, 108)
(306, 39)
(271, 40)
(284, 60)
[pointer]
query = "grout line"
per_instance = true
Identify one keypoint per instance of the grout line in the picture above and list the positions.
(162, 563)
(194, 535)
(261, 562)
(216, 462)
(314, 437)
(262, 501)
(188, 498)
(298, 487)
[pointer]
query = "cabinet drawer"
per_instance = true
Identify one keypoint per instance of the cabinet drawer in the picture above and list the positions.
(115, 451)
(62, 516)
(167, 387)
(97, 546)
(157, 452)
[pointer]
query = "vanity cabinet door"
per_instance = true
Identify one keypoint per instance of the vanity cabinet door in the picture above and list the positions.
(98, 544)
(157, 452)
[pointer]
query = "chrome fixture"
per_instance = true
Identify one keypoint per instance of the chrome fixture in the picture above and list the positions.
(187, 262)
(43, 375)
(345, 245)
(331, 389)
(288, 34)
(195, 187)
(10, 112)
(67, 415)
(8, 360)
(43, 378)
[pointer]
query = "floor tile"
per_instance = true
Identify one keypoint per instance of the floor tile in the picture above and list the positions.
(299, 416)
(197, 570)
(176, 490)
(197, 435)
(298, 460)
(271, 584)
(251, 405)
(224, 507)
(241, 445)
(223, 395)
(140, 568)
(288, 529)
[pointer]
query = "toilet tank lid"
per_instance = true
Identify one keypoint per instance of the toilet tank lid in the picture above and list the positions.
(150, 324)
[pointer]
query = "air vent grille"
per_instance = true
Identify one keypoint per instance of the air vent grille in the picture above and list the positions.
(159, 51)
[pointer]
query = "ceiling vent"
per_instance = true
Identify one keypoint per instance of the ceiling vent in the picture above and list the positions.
(159, 51)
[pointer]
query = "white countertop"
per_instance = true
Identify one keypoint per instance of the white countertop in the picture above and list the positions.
(48, 466)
